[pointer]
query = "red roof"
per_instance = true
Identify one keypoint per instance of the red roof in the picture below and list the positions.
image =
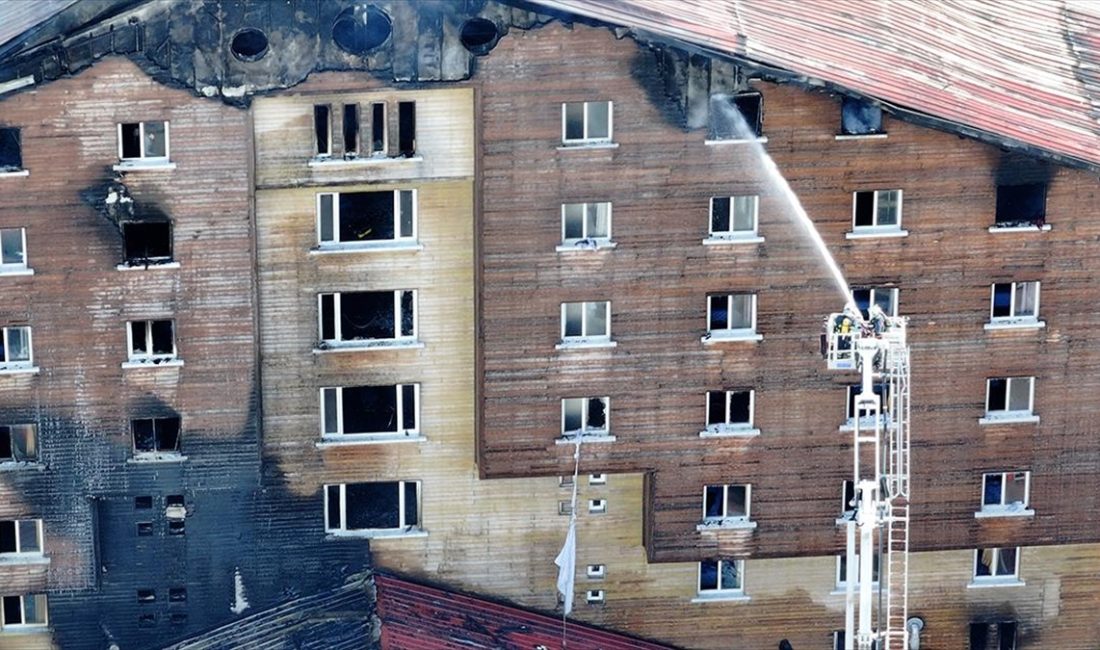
(1022, 70)
(420, 617)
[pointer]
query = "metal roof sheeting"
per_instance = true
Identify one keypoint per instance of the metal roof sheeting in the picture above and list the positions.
(17, 16)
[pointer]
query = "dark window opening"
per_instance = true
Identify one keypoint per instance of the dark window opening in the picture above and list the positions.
(412, 515)
(720, 214)
(858, 117)
(351, 130)
(366, 216)
(143, 503)
(1021, 205)
(1002, 300)
(736, 118)
(13, 610)
(249, 44)
(173, 500)
(372, 505)
(177, 618)
(740, 406)
(151, 338)
(177, 595)
(479, 35)
(1006, 633)
(333, 507)
(153, 435)
(146, 596)
(378, 128)
(406, 129)
(979, 636)
(597, 414)
(359, 30)
(144, 528)
(998, 395)
(877, 389)
(372, 409)
(328, 317)
(7, 537)
(18, 442)
(367, 315)
(848, 498)
(865, 208)
(147, 620)
(11, 152)
(147, 242)
(131, 140)
(322, 127)
(176, 527)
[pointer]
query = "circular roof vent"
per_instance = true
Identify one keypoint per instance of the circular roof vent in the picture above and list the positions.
(479, 35)
(249, 44)
(358, 31)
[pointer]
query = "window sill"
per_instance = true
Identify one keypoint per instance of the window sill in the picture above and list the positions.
(732, 240)
(1015, 324)
(711, 338)
(376, 534)
(1003, 512)
(1009, 419)
(363, 346)
(987, 583)
(586, 245)
(860, 136)
(759, 139)
(729, 432)
(148, 267)
(153, 363)
(144, 166)
(1043, 228)
(876, 234)
(327, 162)
(352, 440)
(24, 559)
(726, 524)
(13, 272)
(15, 174)
(590, 344)
(586, 438)
(153, 459)
(372, 247)
(730, 597)
(12, 630)
(577, 146)
(17, 465)
(26, 370)
(842, 589)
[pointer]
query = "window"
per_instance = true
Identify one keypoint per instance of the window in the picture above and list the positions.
(847, 499)
(146, 596)
(366, 217)
(993, 636)
(13, 250)
(370, 410)
(1010, 398)
(584, 416)
(351, 130)
(145, 528)
(886, 299)
(147, 242)
(996, 564)
(733, 217)
(876, 211)
(596, 571)
(597, 506)
(22, 536)
(565, 481)
(16, 353)
(143, 141)
(1021, 206)
(406, 129)
(18, 442)
(597, 479)
(11, 150)
(586, 322)
(585, 225)
(177, 594)
(726, 504)
(151, 341)
(842, 570)
(594, 596)
(731, 316)
(585, 123)
(322, 129)
(386, 506)
(729, 411)
(177, 527)
(1014, 303)
(565, 508)
(23, 612)
(866, 416)
(378, 129)
(1005, 492)
(366, 316)
(721, 576)
(155, 437)
(737, 117)
(859, 117)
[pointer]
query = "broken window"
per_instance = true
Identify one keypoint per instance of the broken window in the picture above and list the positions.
(156, 436)
(22, 536)
(151, 341)
(1005, 492)
(729, 410)
(586, 322)
(991, 564)
(886, 299)
(11, 151)
(731, 314)
(1021, 206)
(391, 505)
(585, 223)
(733, 216)
(15, 349)
(322, 129)
(1009, 397)
(143, 141)
(866, 415)
(13, 249)
(378, 128)
(406, 129)
(842, 570)
(876, 210)
(147, 242)
(1014, 302)
(726, 503)
(367, 410)
(859, 117)
(367, 315)
(364, 217)
(736, 117)
(351, 130)
(1006, 635)
(584, 416)
(720, 576)
(585, 122)
(23, 612)
(18, 442)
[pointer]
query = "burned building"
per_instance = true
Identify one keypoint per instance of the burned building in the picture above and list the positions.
(354, 277)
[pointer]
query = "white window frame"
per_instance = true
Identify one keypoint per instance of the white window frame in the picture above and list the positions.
(719, 591)
(398, 338)
(587, 140)
(24, 365)
(732, 234)
(595, 596)
(20, 268)
(403, 525)
(596, 571)
(339, 433)
(1006, 509)
(1012, 578)
(584, 431)
(875, 228)
(141, 138)
(727, 427)
(378, 243)
(18, 552)
(725, 517)
(1013, 320)
(13, 627)
(586, 242)
(731, 333)
(841, 571)
(1007, 415)
(586, 338)
(597, 506)
(597, 479)
(149, 356)
(874, 291)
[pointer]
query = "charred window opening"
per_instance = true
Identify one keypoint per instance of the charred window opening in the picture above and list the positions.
(370, 410)
(156, 435)
(859, 117)
(406, 129)
(391, 505)
(479, 35)
(18, 443)
(143, 140)
(363, 217)
(586, 416)
(21, 536)
(847, 497)
(249, 44)
(358, 30)
(736, 117)
(177, 594)
(147, 242)
(378, 128)
(174, 500)
(367, 315)
(11, 151)
(177, 527)
(322, 129)
(147, 620)
(152, 341)
(1021, 206)
(729, 409)
(351, 130)
(146, 596)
